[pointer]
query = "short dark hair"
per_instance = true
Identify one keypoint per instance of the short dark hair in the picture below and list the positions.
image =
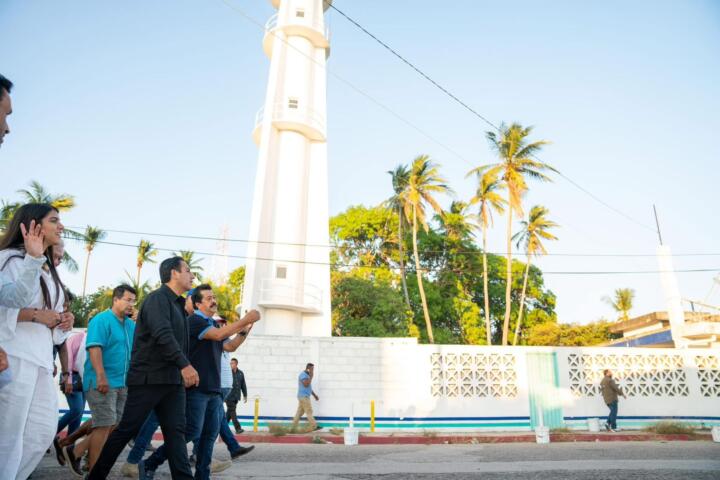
(605, 372)
(167, 266)
(233, 360)
(309, 365)
(120, 290)
(197, 295)
(5, 86)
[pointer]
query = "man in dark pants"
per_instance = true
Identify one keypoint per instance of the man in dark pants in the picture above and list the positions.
(159, 373)
(610, 392)
(238, 389)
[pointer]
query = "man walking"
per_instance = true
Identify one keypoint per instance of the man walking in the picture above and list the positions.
(204, 403)
(108, 343)
(239, 389)
(610, 392)
(159, 372)
(303, 396)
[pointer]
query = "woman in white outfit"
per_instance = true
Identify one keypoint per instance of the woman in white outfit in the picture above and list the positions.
(29, 411)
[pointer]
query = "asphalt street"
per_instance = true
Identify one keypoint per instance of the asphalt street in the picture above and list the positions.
(578, 461)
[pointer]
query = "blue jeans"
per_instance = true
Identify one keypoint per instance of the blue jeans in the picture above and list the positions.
(202, 420)
(143, 438)
(225, 434)
(612, 418)
(73, 417)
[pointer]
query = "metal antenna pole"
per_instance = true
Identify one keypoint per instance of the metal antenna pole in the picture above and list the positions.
(657, 224)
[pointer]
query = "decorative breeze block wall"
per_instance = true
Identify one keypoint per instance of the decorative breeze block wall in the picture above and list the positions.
(708, 370)
(473, 375)
(639, 375)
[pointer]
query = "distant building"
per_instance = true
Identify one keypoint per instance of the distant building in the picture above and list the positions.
(701, 330)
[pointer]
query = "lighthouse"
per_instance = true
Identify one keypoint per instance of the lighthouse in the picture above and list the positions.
(287, 273)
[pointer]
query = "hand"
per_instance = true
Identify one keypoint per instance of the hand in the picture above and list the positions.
(49, 318)
(68, 387)
(33, 238)
(67, 320)
(317, 399)
(190, 377)
(102, 384)
(246, 331)
(245, 400)
(3, 360)
(252, 316)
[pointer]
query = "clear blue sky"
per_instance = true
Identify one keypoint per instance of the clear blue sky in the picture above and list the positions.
(143, 110)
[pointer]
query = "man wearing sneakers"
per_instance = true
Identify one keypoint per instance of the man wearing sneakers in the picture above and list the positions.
(304, 391)
(610, 392)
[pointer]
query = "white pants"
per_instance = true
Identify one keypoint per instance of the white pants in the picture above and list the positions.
(28, 418)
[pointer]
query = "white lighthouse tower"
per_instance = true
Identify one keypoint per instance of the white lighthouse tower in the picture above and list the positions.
(287, 273)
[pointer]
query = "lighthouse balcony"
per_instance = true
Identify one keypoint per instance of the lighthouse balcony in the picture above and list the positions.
(307, 27)
(326, 3)
(286, 295)
(292, 116)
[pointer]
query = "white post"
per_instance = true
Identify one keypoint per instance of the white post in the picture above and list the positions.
(671, 292)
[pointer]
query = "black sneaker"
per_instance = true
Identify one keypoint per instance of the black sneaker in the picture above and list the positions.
(73, 462)
(58, 451)
(241, 430)
(144, 474)
(241, 451)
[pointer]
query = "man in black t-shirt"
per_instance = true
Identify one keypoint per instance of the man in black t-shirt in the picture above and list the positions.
(204, 402)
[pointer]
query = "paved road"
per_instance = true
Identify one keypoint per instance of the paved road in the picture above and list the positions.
(577, 461)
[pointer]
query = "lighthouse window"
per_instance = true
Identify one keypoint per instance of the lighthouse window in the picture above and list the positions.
(281, 272)
(292, 103)
(300, 13)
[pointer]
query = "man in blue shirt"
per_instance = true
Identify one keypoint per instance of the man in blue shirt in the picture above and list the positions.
(109, 344)
(204, 402)
(303, 396)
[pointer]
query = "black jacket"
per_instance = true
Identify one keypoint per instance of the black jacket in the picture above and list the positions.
(238, 387)
(160, 345)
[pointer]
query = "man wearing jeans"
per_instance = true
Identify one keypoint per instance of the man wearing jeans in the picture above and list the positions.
(303, 396)
(204, 403)
(610, 392)
(108, 343)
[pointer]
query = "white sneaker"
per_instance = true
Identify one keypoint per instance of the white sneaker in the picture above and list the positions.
(218, 466)
(130, 470)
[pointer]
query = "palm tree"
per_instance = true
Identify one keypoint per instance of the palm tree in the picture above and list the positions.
(517, 162)
(146, 252)
(38, 194)
(193, 263)
(400, 177)
(622, 302)
(424, 180)
(534, 230)
(92, 236)
(488, 197)
(456, 222)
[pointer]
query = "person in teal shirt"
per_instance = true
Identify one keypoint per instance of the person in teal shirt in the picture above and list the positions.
(109, 343)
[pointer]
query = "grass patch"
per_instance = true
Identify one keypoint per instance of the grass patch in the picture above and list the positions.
(318, 440)
(279, 429)
(560, 430)
(337, 431)
(429, 434)
(671, 428)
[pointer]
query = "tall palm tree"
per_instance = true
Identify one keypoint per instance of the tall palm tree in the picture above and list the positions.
(517, 162)
(146, 252)
(193, 262)
(487, 196)
(622, 302)
(456, 222)
(91, 237)
(424, 181)
(400, 177)
(534, 230)
(36, 193)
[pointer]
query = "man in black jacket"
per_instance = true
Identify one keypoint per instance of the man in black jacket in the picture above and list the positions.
(238, 388)
(159, 373)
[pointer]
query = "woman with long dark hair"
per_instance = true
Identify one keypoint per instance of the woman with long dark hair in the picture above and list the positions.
(28, 412)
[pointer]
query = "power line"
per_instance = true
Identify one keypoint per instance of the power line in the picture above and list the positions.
(476, 113)
(458, 252)
(425, 270)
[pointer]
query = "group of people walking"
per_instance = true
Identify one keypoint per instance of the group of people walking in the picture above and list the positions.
(169, 366)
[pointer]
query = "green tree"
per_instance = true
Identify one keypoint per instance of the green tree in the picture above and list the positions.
(400, 178)
(236, 283)
(489, 200)
(534, 230)
(423, 184)
(145, 253)
(193, 262)
(92, 236)
(569, 335)
(517, 163)
(622, 302)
